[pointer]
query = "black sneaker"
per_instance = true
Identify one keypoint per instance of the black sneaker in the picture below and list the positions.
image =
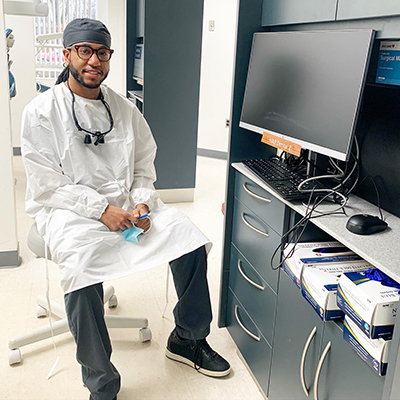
(197, 354)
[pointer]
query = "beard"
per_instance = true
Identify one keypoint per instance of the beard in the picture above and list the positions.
(78, 77)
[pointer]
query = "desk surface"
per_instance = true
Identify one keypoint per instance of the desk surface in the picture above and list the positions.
(380, 249)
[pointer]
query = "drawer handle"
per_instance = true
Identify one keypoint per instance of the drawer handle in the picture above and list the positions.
(256, 285)
(253, 227)
(303, 360)
(318, 371)
(255, 195)
(252, 335)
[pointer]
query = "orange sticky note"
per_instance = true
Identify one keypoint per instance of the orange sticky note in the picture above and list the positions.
(282, 144)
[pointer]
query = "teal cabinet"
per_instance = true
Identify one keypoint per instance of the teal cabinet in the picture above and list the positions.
(279, 335)
(171, 35)
(258, 223)
(350, 9)
(283, 12)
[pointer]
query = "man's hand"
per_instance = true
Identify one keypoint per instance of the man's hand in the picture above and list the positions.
(116, 218)
(145, 223)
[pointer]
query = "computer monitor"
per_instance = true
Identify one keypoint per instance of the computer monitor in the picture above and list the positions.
(306, 87)
(138, 61)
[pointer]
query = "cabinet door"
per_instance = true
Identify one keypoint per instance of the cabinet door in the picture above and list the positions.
(296, 322)
(344, 375)
(281, 12)
(348, 9)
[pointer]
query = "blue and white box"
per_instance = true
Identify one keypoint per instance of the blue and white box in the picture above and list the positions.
(309, 254)
(388, 71)
(371, 305)
(319, 286)
(375, 352)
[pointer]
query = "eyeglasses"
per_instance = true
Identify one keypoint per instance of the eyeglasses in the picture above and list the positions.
(85, 52)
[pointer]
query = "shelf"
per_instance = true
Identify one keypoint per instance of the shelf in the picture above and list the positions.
(383, 85)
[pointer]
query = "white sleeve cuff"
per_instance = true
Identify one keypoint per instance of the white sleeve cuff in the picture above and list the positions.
(144, 196)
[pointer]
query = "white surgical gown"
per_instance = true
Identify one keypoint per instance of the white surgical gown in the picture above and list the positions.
(69, 185)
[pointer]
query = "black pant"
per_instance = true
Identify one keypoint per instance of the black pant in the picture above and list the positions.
(85, 313)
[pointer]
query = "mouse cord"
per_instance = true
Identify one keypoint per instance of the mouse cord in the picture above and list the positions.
(378, 201)
(283, 243)
(292, 235)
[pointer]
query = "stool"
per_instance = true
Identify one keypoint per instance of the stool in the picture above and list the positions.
(37, 245)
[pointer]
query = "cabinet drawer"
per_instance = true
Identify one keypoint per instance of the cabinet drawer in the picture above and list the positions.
(253, 292)
(256, 240)
(264, 204)
(256, 351)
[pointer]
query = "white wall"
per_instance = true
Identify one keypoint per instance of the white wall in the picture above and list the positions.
(8, 229)
(216, 74)
(23, 68)
(113, 14)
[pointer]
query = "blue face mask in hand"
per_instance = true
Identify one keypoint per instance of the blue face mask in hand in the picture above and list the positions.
(132, 234)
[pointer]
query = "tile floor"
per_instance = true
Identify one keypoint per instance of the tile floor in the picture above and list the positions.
(146, 372)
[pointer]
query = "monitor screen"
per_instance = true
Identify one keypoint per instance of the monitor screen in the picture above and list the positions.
(138, 62)
(306, 87)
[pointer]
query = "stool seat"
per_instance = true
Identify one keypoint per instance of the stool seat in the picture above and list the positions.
(37, 245)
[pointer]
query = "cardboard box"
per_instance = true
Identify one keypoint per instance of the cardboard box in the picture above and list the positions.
(319, 286)
(375, 352)
(388, 70)
(309, 254)
(371, 305)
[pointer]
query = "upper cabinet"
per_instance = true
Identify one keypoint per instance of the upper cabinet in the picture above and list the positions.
(139, 18)
(284, 12)
(281, 12)
(349, 9)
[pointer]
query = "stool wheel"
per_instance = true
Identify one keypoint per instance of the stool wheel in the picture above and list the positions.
(41, 312)
(113, 302)
(145, 335)
(14, 356)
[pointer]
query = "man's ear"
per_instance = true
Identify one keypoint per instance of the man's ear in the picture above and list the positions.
(67, 55)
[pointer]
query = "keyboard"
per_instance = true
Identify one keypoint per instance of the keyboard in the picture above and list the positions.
(136, 93)
(282, 178)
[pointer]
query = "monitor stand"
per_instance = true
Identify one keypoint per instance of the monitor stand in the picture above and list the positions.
(319, 164)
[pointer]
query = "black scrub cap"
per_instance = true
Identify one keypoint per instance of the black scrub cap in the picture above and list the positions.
(86, 30)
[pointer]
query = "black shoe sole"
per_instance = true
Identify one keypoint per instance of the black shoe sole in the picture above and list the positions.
(183, 360)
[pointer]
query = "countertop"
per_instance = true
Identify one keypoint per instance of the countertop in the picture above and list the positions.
(380, 249)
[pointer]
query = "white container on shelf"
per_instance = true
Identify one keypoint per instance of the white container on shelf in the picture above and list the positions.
(371, 305)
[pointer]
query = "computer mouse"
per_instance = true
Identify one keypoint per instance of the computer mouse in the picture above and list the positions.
(365, 224)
